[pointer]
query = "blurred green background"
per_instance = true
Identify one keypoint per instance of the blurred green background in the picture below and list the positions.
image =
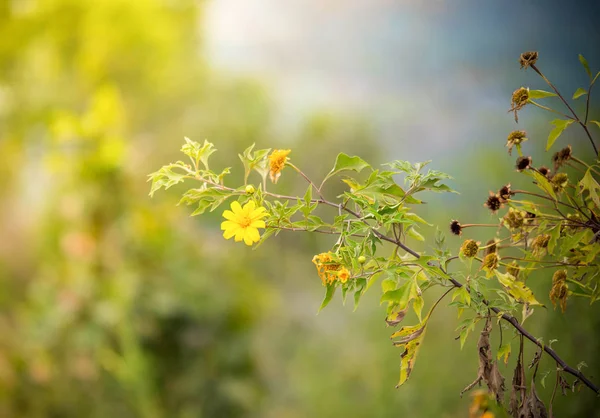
(115, 304)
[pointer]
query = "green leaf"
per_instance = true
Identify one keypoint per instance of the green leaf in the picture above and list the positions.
(543, 183)
(343, 162)
(596, 123)
(559, 126)
(411, 232)
(579, 92)
(400, 296)
(540, 94)
(585, 64)
(418, 306)
(591, 185)
(504, 351)
(328, 296)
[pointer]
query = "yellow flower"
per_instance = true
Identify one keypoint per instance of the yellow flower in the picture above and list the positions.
(243, 222)
(277, 161)
(343, 275)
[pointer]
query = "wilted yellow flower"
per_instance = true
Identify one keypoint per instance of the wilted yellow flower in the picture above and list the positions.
(243, 222)
(330, 269)
(277, 161)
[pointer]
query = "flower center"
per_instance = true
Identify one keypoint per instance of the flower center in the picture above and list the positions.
(245, 221)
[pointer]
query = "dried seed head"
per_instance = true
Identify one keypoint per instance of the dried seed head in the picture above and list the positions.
(560, 182)
(513, 269)
(519, 100)
(455, 227)
(561, 157)
(493, 202)
(560, 289)
(490, 262)
(491, 246)
(515, 138)
(469, 248)
(528, 58)
(514, 219)
(540, 244)
(544, 171)
(505, 192)
(523, 163)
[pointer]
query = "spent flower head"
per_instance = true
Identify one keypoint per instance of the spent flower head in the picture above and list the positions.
(544, 171)
(540, 244)
(491, 246)
(560, 289)
(560, 182)
(523, 163)
(242, 223)
(519, 100)
(277, 161)
(505, 192)
(528, 58)
(514, 218)
(513, 269)
(469, 248)
(493, 202)
(515, 138)
(490, 262)
(455, 227)
(561, 157)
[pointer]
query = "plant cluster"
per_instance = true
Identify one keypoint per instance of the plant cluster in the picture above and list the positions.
(553, 228)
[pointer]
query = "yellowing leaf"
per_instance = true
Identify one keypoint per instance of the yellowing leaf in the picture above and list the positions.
(410, 338)
(504, 351)
(517, 289)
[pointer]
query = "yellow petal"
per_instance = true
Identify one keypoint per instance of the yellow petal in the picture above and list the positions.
(247, 239)
(229, 233)
(239, 234)
(229, 225)
(252, 234)
(236, 207)
(257, 224)
(229, 215)
(249, 207)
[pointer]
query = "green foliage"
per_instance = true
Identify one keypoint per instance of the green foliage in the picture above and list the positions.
(557, 230)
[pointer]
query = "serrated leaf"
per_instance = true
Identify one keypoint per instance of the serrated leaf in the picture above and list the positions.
(585, 64)
(559, 126)
(591, 185)
(344, 162)
(579, 92)
(540, 94)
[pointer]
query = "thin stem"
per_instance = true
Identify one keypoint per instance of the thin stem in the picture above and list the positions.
(583, 125)
(306, 178)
